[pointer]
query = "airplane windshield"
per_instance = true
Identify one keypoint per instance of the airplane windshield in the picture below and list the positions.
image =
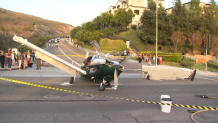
(95, 57)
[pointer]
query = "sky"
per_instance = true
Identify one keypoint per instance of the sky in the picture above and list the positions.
(73, 12)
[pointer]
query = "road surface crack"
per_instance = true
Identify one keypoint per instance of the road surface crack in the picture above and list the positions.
(134, 118)
(54, 119)
(103, 114)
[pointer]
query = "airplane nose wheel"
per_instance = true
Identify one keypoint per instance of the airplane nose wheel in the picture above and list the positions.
(102, 87)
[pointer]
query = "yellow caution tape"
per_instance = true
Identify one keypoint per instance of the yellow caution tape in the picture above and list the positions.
(117, 98)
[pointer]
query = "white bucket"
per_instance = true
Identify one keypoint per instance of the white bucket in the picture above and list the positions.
(168, 100)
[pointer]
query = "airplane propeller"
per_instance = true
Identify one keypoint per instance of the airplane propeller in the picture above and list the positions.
(115, 79)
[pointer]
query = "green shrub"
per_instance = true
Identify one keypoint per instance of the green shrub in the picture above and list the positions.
(110, 31)
(187, 62)
(134, 27)
(213, 65)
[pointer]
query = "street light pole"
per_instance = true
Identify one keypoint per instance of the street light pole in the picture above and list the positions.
(156, 29)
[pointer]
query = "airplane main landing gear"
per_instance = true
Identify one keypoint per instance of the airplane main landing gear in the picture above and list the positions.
(72, 80)
(102, 87)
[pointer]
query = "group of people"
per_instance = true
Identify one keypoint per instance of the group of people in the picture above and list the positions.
(148, 59)
(11, 57)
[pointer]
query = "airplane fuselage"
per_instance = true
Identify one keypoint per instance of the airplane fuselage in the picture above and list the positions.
(101, 69)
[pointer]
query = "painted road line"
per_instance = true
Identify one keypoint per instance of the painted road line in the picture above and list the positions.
(117, 98)
(69, 57)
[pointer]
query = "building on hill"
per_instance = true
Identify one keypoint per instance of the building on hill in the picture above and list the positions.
(188, 6)
(137, 6)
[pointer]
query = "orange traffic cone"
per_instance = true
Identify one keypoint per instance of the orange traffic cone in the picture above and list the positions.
(41, 63)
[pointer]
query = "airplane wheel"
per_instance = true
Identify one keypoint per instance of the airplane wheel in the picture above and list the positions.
(148, 77)
(102, 87)
(72, 80)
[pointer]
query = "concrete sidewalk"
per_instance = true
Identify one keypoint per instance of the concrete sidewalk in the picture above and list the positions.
(32, 72)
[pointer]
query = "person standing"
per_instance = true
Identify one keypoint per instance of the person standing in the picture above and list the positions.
(153, 60)
(122, 52)
(12, 58)
(8, 56)
(24, 59)
(38, 66)
(146, 58)
(28, 55)
(19, 58)
(140, 57)
(2, 59)
(33, 55)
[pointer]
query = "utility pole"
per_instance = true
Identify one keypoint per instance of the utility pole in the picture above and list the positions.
(206, 60)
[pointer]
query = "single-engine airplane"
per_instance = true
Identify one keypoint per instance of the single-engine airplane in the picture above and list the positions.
(102, 68)
(96, 67)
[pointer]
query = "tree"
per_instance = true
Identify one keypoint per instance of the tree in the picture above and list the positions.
(148, 28)
(123, 17)
(94, 36)
(97, 21)
(210, 18)
(195, 40)
(178, 39)
(215, 45)
(87, 36)
(74, 31)
(89, 26)
(107, 20)
(164, 27)
(195, 16)
(179, 19)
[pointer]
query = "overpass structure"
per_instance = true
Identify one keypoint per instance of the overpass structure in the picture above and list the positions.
(50, 58)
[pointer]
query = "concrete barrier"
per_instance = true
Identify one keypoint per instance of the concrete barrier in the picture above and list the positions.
(169, 73)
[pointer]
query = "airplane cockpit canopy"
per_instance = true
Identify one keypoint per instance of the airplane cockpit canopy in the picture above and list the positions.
(96, 57)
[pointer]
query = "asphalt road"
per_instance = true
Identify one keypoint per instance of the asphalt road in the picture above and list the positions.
(22, 103)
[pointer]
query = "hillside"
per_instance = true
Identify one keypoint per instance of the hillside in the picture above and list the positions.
(25, 25)
(35, 29)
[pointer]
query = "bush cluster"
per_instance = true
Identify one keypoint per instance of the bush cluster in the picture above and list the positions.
(187, 62)
(110, 31)
(213, 65)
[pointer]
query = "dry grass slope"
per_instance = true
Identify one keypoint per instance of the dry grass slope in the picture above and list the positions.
(26, 25)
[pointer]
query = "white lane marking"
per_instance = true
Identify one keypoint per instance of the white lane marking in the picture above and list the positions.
(207, 78)
(133, 69)
(69, 57)
(66, 84)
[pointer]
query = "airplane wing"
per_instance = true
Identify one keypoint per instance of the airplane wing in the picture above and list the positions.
(50, 58)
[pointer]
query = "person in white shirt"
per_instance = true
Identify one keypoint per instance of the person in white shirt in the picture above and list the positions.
(12, 58)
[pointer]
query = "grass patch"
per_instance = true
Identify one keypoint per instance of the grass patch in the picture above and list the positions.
(175, 64)
(132, 36)
(199, 66)
(202, 66)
